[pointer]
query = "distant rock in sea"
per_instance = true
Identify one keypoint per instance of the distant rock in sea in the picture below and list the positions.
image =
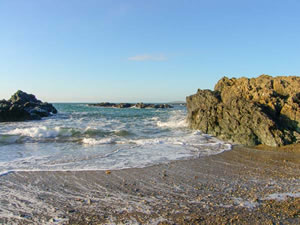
(130, 105)
(263, 110)
(22, 106)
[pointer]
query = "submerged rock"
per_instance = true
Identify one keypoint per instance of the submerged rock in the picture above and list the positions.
(130, 105)
(22, 106)
(263, 110)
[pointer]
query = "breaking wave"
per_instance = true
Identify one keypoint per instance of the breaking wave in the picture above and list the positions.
(83, 138)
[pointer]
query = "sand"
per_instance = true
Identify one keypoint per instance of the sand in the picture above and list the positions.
(241, 186)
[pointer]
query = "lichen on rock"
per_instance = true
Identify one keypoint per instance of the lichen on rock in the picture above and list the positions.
(263, 110)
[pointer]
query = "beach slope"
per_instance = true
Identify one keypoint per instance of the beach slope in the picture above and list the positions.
(241, 186)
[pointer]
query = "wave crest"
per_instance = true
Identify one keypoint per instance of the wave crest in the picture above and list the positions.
(176, 120)
(92, 141)
(42, 132)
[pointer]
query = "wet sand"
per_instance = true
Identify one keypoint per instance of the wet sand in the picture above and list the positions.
(241, 186)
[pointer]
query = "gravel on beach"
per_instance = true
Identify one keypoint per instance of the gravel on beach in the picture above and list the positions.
(240, 186)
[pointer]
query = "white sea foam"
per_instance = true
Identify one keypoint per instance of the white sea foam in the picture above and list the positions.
(82, 138)
(245, 203)
(176, 120)
(98, 139)
(92, 141)
(282, 196)
(172, 124)
(147, 141)
(41, 132)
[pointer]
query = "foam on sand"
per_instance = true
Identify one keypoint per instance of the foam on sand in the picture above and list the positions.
(282, 196)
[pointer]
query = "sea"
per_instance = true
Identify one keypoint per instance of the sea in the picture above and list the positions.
(81, 137)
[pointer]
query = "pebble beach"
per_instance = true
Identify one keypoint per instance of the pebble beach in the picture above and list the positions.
(240, 186)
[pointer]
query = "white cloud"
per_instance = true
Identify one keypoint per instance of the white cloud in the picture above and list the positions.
(147, 57)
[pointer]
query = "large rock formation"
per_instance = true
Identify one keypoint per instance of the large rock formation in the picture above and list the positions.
(263, 110)
(131, 105)
(22, 106)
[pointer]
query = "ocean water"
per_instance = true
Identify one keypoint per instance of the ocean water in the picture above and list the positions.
(80, 137)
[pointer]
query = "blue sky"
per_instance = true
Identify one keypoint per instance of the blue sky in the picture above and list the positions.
(135, 50)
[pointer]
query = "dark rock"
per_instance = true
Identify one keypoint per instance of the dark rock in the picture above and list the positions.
(39, 111)
(152, 106)
(22, 106)
(123, 105)
(21, 97)
(263, 110)
(129, 105)
(140, 105)
(13, 112)
(162, 106)
(103, 104)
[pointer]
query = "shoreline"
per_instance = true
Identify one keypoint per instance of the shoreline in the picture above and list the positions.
(236, 186)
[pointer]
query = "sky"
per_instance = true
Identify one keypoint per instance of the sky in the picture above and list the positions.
(135, 50)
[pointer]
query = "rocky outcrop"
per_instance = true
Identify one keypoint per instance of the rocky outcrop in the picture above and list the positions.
(263, 110)
(130, 105)
(22, 106)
